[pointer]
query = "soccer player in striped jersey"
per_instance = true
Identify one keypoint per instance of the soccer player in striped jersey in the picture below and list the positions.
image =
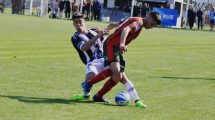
(88, 43)
(116, 44)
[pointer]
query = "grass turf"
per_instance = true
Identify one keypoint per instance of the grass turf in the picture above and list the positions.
(173, 71)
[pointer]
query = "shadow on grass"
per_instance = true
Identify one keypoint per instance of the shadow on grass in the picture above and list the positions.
(115, 105)
(186, 78)
(44, 100)
(36, 100)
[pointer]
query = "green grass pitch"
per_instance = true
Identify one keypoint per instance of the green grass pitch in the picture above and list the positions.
(173, 71)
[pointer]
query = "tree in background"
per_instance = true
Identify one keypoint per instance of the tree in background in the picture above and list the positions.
(202, 5)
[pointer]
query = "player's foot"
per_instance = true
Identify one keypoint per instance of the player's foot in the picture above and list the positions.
(86, 87)
(96, 99)
(140, 104)
(80, 97)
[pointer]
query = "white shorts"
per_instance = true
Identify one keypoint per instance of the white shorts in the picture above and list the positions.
(95, 66)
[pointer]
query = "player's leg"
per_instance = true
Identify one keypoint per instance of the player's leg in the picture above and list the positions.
(101, 76)
(115, 78)
(86, 93)
(128, 85)
(91, 72)
(116, 75)
(87, 85)
(211, 24)
(198, 23)
(89, 76)
(111, 58)
(106, 71)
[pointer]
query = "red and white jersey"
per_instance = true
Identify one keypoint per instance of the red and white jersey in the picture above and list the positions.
(134, 23)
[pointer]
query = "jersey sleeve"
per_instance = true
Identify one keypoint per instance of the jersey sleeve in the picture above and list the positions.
(77, 42)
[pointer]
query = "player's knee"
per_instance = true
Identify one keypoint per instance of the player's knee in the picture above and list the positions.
(115, 67)
(90, 76)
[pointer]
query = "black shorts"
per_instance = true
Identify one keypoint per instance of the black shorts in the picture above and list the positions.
(117, 57)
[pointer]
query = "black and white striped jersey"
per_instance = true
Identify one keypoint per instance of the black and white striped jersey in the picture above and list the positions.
(95, 51)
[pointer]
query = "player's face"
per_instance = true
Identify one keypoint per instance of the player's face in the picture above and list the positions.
(149, 22)
(79, 24)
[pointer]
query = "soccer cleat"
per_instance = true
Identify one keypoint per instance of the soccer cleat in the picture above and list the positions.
(86, 87)
(80, 97)
(96, 99)
(140, 104)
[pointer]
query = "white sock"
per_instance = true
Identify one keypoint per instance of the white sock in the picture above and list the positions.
(86, 93)
(131, 90)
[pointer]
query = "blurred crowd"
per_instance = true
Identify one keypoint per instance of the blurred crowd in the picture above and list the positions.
(2, 6)
(201, 17)
(142, 10)
(65, 9)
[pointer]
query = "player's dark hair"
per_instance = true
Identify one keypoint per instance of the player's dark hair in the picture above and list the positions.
(156, 17)
(77, 15)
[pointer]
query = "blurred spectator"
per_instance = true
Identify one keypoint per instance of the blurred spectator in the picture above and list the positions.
(49, 10)
(23, 7)
(161, 6)
(191, 17)
(2, 5)
(67, 9)
(205, 17)
(55, 7)
(96, 10)
(83, 7)
(88, 4)
(38, 11)
(136, 11)
(75, 7)
(144, 10)
(200, 18)
(61, 7)
(211, 16)
(168, 6)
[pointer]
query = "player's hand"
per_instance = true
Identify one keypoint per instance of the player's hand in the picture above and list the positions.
(103, 32)
(123, 48)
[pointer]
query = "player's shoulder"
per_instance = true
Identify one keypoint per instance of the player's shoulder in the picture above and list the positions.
(138, 20)
(135, 19)
(75, 36)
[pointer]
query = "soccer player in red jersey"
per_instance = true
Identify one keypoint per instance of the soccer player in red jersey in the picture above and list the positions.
(116, 44)
(88, 44)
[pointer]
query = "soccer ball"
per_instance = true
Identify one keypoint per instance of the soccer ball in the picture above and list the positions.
(122, 98)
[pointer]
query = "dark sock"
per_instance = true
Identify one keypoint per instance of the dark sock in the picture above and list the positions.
(106, 88)
(136, 101)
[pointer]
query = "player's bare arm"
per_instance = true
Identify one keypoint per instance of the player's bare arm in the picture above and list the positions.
(89, 43)
(111, 26)
(124, 35)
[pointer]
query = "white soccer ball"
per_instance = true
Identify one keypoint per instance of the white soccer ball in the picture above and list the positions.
(122, 98)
